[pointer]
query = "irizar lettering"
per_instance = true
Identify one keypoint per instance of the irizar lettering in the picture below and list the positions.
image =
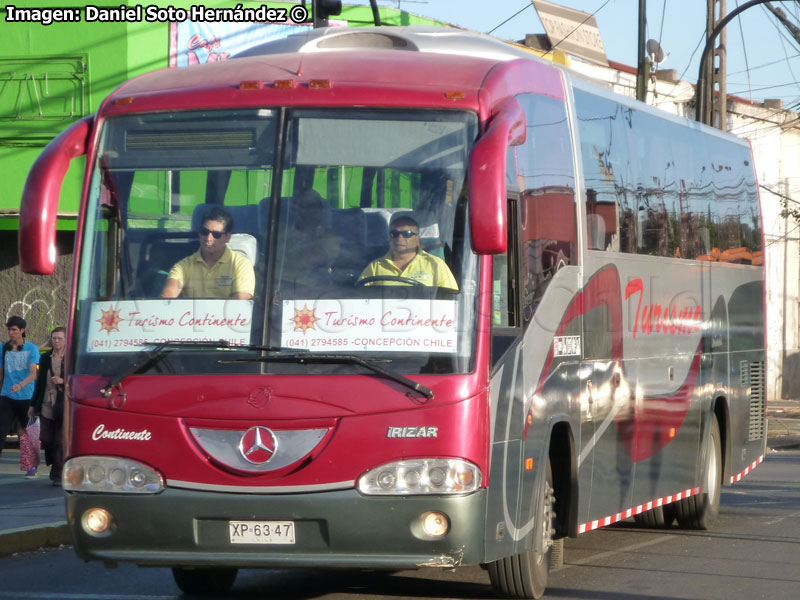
(665, 319)
(412, 432)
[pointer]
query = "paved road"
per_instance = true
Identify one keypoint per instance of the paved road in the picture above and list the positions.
(753, 552)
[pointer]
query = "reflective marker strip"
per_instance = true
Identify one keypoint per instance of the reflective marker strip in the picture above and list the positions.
(659, 502)
(625, 514)
(748, 470)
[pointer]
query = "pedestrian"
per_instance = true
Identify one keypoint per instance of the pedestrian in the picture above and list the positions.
(48, 403)
(18, 362)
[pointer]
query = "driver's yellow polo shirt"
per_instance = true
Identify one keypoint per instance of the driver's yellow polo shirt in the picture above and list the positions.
(426, 268)
(232, 273)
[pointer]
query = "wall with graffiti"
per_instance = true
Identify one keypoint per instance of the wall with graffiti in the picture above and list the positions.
(43, 301)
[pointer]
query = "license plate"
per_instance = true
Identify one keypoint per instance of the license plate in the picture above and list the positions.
(261, 532)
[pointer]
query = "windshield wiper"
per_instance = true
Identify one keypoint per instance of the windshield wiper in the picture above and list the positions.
(308, 357)
(156, 354)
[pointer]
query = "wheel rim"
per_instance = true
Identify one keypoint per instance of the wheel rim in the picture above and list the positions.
(712, 474)
(548, 517)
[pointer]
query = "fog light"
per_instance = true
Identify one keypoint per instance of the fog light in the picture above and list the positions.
(435, 524)
(96, 521)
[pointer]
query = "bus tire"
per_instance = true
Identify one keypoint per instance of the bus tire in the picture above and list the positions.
(204, 581)
(524, 575)
(701, 510)
(660, 517)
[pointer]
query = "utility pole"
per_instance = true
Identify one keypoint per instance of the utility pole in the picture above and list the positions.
(702, 112)
(642, 69)
(716, 96)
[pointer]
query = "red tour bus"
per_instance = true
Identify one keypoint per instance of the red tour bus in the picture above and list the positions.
(599, 357)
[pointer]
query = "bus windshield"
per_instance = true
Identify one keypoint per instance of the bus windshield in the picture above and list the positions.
(330, 231)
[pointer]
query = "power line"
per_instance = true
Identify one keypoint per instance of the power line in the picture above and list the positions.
(781, 16)
(761, 66)
(744, 50)
(696, 48)
(524, 8)
(661, 29)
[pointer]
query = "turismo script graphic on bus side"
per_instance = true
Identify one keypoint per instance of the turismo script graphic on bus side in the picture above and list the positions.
(669, 319)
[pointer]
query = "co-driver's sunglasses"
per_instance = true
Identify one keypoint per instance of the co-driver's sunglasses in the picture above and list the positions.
(406, 233)
(217, 234)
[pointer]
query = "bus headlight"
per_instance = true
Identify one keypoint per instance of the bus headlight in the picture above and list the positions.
(109, 474)
(421, 476)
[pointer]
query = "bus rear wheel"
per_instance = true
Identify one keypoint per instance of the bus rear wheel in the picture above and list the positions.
(701, 510)
(525, 575)
(204, 581)
(660, 517)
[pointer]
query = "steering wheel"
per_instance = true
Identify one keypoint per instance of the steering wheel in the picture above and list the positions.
(375, 278)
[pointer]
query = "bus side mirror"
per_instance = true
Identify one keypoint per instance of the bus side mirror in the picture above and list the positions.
(487, 178)
(39, 207)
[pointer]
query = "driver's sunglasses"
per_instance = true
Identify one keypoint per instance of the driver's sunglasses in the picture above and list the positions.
(406, 233)
(217, 234)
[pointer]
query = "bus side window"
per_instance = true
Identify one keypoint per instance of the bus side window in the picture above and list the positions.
(547, 210)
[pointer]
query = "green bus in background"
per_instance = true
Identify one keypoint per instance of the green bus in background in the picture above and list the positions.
(51, 75)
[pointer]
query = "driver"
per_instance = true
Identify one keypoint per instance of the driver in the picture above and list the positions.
(214, 271)
(407, 260)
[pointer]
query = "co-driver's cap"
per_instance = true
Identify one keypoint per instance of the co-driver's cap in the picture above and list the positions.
(406, 216)
(16, 322)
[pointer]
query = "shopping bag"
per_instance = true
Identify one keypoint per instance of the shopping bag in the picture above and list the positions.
(29, 446)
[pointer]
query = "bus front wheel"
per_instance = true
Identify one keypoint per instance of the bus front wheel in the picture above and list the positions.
(525, 575)
(204, 581)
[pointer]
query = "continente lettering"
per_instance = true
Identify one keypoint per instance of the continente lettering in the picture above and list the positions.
(669, 319)
(100, 433)
(387, 319)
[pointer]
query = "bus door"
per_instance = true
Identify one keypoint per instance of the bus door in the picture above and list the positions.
(535, 338)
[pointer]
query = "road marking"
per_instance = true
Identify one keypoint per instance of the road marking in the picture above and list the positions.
(791, 516)
(633, 547)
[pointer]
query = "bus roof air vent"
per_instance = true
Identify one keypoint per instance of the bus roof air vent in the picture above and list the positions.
(365, 39)
(428, 39)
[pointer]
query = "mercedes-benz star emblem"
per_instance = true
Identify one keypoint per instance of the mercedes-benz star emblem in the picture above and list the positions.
(258, 445)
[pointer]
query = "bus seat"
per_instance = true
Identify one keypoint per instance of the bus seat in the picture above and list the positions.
(350, 226)
(430, 241)
(245, 244)
(157, 254)
(286, 213)
(376, 238)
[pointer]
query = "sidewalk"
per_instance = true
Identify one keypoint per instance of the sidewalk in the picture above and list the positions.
(33, 512)
(783, 425)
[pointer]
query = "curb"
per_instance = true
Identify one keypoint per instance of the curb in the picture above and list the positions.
(25, 539)
(784, 442)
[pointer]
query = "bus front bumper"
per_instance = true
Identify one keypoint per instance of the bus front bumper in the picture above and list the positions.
(339, 529)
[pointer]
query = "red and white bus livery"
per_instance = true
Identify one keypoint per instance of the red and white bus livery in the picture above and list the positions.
(602, 356)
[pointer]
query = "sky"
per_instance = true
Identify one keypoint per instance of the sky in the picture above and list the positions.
(763, 57)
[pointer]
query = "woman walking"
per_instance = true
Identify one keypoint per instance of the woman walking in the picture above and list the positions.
(48, 403)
